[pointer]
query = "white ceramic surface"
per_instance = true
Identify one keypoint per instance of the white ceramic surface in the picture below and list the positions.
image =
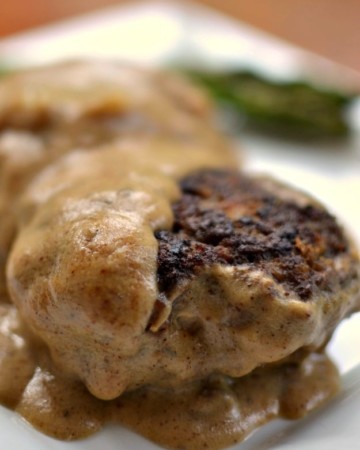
(329, 171)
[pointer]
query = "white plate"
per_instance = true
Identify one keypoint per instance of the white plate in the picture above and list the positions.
(159, 33)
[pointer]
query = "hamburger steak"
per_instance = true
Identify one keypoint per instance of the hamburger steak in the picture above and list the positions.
(147, 282)
(234, 273)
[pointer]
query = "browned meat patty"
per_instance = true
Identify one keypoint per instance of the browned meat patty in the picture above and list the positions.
(232, 219)
(135, 280)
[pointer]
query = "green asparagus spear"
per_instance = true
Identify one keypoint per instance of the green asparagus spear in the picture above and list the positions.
(295, 108)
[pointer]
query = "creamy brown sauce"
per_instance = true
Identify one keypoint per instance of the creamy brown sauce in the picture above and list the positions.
(209, 414)
(77, 235)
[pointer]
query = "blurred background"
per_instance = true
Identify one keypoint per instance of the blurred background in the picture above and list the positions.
(328, 27)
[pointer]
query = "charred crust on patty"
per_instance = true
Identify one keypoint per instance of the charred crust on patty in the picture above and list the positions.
(231, 219)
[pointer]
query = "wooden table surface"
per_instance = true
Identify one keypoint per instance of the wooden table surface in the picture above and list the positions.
(328, 27)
